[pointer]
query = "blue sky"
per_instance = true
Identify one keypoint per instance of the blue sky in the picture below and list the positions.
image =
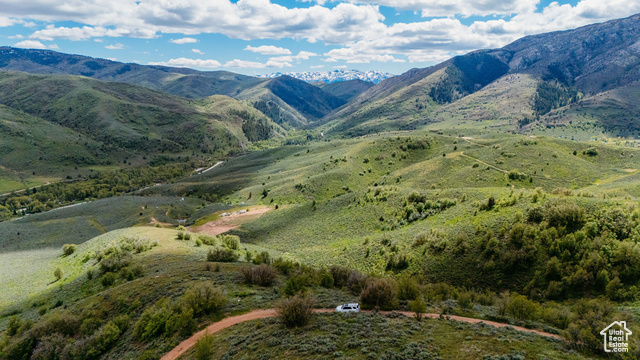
(265, 36)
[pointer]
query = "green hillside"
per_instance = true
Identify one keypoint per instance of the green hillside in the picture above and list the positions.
(76, 123)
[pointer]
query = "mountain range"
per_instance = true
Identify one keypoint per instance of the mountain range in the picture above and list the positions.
(372, 76)
(587, 77)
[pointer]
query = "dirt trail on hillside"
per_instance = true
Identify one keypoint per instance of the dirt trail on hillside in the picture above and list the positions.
(261, 314)
(227, 223)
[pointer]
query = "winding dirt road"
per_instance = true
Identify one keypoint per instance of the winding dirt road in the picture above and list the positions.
(261, 314)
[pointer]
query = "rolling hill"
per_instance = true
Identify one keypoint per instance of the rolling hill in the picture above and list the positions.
(55, 123)
(178, 81)
(287, 100)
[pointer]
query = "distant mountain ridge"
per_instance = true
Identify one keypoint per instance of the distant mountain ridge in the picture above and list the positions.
(373, 76)
(520, 84)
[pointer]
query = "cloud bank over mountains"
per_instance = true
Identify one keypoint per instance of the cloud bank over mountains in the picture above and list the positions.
(347, 31)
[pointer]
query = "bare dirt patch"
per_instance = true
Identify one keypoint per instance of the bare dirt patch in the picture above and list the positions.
(226, 223)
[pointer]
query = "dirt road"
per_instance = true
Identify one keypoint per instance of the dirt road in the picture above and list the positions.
(227, 223)
(261, 314)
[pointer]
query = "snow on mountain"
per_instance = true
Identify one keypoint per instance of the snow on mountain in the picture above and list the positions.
(373, 76)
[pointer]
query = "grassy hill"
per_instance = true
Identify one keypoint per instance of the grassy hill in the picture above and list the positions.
(55, 124)
(38, 151)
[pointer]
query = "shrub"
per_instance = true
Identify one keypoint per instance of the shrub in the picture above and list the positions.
(204, 347)
(208, 240)
(263, 275)
(419, 307)
(222, 255)
(464, 300)
(180, 236)
(68, 249)
(295, 311)
(408, 288)
(284, 266)
(521, 308)
(14, 325)
(326, 280)
(108, 279)
(57, 273)
(340, 276)
(295, 285)
(153, 320)
(356, 282)
(398, 262)
(114, 261)
(262, 258)
(379, 294)
(204, 299)
(569, 215)
(230, 241)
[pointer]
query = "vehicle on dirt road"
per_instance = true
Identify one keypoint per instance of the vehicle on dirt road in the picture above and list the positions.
(354, 307)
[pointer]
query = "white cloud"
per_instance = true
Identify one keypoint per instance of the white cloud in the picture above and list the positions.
(197, 51)
(302, 55)
(186, 40)
(340, 67)
(268, 50)
(316, 66)
(117, 46)
(87, 32)
(236, 63)
(5, 21)
(433, 8)
(356, 26)
(190, 63)
(34, 44)
(241, 19)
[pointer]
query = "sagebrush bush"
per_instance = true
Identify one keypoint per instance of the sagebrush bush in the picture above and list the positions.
(408, 288)
(295, 311)
(521, 308)
(285, 267)
(204, 347)
(68, 249)
(222, 255)
(57, 273)
(230, 241)
(108, 279)
(262, 258)
(262, 275)
(208, 240)
(204, 299)
(379, 294)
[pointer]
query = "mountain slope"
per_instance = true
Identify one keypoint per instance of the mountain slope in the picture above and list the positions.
(76, 121)
(560, 67)
(345, 90)
(291, 102)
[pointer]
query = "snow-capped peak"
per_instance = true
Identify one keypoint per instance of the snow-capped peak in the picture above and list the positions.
(373, 76)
